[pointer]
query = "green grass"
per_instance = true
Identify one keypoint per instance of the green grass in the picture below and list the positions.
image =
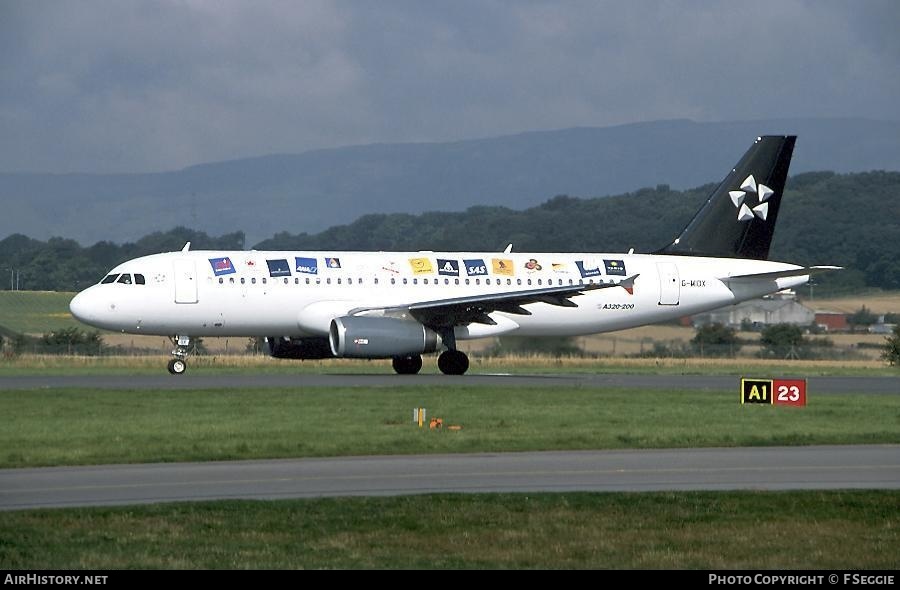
(77, 426)
(707, 530)
(36, 312)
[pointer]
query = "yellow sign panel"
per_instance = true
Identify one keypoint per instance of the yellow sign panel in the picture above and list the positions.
(502, 266)
(756, 391)
(420, 266)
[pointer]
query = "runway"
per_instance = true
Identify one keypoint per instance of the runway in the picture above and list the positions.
(753, 468)
(164, 381)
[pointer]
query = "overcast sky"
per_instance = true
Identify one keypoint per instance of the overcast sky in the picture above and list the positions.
(134, 86)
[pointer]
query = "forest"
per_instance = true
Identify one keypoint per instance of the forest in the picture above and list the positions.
(851, 220)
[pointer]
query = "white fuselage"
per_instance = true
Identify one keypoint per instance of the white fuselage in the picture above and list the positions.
(253, 293)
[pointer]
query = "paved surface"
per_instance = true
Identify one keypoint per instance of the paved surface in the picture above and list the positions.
(756, 468)
(164, 381)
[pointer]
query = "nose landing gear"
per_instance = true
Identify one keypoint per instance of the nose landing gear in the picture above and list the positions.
(183, 348)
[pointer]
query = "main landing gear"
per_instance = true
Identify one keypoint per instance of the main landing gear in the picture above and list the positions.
(450, 362)
(183, 348)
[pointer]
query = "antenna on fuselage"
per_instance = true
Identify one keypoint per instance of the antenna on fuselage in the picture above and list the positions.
(508, 249)
(187, 247)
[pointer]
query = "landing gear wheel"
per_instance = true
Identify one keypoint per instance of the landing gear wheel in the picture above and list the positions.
(177, 366)
(407, 365)
(453, 362)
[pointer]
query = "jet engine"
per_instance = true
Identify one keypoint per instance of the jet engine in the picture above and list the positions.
(299, 348)
(380, 337)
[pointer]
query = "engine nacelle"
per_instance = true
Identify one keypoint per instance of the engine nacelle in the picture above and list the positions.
(299, 348)
(375, 338)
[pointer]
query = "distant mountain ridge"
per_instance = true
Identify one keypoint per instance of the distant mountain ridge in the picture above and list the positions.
(311, 191)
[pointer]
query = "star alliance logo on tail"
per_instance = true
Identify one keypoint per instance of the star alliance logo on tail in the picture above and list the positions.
(750, 187)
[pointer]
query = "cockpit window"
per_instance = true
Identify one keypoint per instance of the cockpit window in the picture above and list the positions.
(125, 279)
(139, 280)
(109, 279)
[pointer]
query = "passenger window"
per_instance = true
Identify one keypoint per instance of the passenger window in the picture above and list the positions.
(477, 281)
(467, 281)
(339, 281)
(139, 280)
(231, 280)
(264, 281)
(285, 281)
(221, 281)
(376, 280)
(415, 281)
(518, 281)
(446, 281)
(529, 281)
(349, 281)
(125, 279)
(424, 281)
(253, 280)
(243, 280)
(393, 281)
(109, 279)
(318, 281)
(571, 282)
(404, 281)
(509, 281)
(455, 281)
(328, 281)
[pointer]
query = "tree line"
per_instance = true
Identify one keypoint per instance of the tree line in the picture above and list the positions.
(852, 220)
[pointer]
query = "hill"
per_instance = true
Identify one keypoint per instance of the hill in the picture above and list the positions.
(318, 189)
(851, 220)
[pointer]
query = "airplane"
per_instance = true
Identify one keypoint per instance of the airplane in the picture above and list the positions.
(401, 305)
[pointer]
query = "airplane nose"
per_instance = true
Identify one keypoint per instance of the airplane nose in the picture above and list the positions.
(85, 307)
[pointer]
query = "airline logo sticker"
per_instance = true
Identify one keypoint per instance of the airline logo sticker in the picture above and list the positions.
(251, 264)
(222, 266)
(532, 265)
(475, 267)
(448, 268)
(279, 268)
(760, 191)
(559, 267)
(309, 266)
(420, 266)
(614, 267)
(332, 262)
(503, 266)
(587, 272)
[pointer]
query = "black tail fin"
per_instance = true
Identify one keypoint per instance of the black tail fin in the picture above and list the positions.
(738, 219)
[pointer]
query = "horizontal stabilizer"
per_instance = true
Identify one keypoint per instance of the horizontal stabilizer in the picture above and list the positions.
(795, 272)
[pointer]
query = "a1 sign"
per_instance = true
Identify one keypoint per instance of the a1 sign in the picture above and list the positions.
(789, 392)
(778, 392)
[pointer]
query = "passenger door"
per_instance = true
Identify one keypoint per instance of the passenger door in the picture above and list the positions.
(185, 281)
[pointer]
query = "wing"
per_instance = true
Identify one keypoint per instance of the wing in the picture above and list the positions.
(461, 311)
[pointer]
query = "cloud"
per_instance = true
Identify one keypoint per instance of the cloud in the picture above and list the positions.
(136, 86)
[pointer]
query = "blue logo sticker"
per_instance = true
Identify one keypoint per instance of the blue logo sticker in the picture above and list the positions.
(448, 268)
(306, 265)
(615, 267)
(279, 268)
(475, 267)
(587, 272)
(221, 266)
(333, 262)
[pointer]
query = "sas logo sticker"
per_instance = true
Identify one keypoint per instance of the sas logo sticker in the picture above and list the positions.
(420, 266)
(475, 267)
(332, 262)
(448, 268)
(306, 265)
(503, 266)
